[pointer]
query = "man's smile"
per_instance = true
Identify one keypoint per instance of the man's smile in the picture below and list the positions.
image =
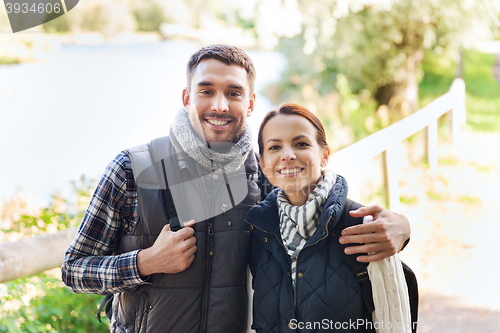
(218, 122)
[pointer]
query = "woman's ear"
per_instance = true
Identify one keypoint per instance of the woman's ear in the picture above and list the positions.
(262, 165)
(325, 157)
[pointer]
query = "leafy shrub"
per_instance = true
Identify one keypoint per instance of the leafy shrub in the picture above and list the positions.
(41, 303)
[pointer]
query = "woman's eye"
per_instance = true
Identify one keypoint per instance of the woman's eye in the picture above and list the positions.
(302, 144)
(274, 147)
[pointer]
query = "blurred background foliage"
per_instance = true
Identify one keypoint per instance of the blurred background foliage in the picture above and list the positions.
(366, 61)
(41, 303)
(359, 64)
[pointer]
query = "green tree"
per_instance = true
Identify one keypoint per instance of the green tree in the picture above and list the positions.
(378, 45)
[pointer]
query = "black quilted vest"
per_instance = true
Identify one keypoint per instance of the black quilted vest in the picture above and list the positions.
(209, 296)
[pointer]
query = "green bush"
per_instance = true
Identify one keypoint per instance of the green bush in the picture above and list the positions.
(41, 303)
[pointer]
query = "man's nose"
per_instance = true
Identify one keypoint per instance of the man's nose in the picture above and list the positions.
(219, 103)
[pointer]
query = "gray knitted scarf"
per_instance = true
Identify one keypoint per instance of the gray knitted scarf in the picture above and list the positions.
(185, 139)
(298, 223)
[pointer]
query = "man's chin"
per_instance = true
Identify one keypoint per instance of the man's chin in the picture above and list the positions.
(211, 136)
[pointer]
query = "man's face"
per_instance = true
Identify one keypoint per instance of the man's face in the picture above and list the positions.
(218, 101)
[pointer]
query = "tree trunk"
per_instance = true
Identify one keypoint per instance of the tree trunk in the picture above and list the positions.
(402, 97)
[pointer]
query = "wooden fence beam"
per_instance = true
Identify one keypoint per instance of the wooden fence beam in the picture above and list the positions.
(457, 115)
(431, 145)
(30, 256)
(391, 179)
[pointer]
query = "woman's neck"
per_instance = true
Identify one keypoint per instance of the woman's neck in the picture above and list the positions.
(300, 197)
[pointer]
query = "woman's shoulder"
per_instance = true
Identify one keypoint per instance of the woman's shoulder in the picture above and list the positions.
(264, 211)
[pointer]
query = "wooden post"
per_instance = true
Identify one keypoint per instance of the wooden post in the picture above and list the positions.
(30, 256)
(431, 142)
(391, 179)
(457, 115)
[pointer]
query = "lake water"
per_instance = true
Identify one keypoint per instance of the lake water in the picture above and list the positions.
(71, 116)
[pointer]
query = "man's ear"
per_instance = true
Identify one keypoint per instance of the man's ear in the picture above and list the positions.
(251, 105)
(185, 97)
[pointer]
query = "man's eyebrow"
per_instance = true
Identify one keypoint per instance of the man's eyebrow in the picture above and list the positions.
(205, 83)
(235, 86)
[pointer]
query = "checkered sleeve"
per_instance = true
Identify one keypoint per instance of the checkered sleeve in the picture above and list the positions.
(89, 265)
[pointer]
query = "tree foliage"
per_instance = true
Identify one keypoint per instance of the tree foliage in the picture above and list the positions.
(378, 45)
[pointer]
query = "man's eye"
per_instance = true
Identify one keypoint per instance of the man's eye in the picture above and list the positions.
(235, 94)
(205, 92)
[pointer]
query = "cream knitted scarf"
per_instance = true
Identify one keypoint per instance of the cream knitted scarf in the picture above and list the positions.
(185, 139)
(390, 294)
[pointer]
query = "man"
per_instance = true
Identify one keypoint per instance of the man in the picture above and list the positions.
(194, 279)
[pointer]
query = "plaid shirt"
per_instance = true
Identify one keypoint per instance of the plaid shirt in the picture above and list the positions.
(89, 264)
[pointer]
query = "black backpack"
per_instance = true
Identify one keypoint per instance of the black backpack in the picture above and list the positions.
(361, 273)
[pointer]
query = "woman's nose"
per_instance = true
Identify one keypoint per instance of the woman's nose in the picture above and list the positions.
(288, 155)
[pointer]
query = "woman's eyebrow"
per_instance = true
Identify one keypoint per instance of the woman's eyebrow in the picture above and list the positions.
(298, 137)
(277, 140)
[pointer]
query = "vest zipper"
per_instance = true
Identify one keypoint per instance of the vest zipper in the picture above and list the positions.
(297, 264)
(206, 287)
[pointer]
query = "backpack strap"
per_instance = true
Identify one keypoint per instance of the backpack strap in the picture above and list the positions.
(361, 272)
(159, 164)
(168, 207)
(411, 283)
(106, 302)
(359, 268)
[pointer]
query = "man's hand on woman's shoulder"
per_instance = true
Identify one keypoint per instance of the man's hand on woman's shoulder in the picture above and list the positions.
(382, 238)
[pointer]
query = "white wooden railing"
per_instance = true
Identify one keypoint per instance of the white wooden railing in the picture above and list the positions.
(347, 160)
(34, 255)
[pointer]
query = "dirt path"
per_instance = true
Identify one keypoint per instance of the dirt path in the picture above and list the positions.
(455, 229)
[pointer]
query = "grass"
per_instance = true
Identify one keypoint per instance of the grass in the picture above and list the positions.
(6, 60)
(482, 88)
(433, 195)
(448, 161)
(408, 200)
(469, 200)
(482, 168)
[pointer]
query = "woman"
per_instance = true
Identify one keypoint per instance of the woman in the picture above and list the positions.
(300, 278)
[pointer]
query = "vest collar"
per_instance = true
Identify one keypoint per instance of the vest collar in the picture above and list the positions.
(265, 215)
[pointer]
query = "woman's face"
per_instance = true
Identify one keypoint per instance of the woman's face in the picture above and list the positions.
(292, 158)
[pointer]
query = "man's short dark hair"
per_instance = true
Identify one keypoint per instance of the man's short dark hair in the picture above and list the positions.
(230, 55)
